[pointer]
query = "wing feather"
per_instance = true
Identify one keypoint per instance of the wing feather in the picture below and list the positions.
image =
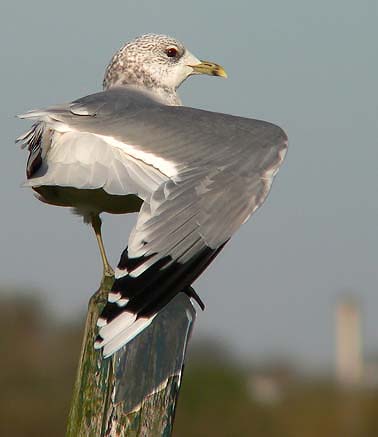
(200, 174)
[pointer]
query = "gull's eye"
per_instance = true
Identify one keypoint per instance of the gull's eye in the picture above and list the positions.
(171, 52)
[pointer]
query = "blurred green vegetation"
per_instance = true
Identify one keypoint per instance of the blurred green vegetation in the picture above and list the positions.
(218, 397)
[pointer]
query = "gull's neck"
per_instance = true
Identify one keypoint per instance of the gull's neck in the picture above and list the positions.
(165, 95)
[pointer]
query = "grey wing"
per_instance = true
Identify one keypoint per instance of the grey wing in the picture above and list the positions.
(99, 139)
(211, 172)
(123, 140)
(179, 231)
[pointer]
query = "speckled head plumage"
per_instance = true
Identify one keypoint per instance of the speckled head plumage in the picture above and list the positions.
(157, 63)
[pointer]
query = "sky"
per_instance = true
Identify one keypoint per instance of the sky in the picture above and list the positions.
(310, 67)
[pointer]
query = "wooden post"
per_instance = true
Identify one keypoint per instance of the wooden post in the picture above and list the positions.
(135, 392)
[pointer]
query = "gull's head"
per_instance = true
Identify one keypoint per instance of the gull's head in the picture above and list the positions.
(157, 63)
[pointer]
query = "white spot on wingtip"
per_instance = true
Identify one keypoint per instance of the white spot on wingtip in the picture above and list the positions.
(120, 273)
(98, 344)
(116, 341)
(122, 302)
(113, 297)
(101, 322)
(117, 325)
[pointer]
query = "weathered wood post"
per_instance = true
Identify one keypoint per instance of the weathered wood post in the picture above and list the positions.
(134, 393)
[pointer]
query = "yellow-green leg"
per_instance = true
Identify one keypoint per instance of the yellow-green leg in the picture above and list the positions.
(96, 224)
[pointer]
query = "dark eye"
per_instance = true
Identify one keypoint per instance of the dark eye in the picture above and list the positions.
(171, 52)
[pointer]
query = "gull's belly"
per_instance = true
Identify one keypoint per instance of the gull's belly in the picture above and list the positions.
(95, 200)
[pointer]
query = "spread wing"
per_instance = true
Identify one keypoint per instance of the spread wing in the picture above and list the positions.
(216, 170)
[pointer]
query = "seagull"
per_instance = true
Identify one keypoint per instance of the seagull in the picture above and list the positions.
(193, 176)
